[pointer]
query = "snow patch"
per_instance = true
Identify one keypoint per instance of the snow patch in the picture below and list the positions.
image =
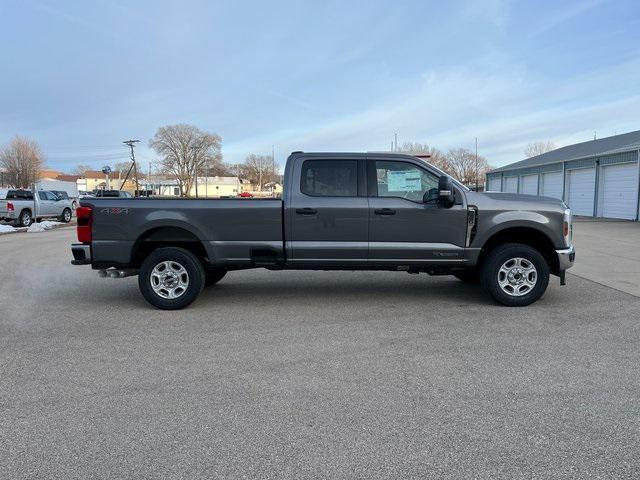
(6, 229)
(42, 226)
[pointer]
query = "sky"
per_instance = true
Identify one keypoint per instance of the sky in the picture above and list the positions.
(80, 77)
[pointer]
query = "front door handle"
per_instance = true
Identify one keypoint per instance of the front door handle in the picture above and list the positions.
(306, 211)
(384, 211)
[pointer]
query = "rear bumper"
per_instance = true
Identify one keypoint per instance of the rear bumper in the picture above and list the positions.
(81, 254)
(566, 258)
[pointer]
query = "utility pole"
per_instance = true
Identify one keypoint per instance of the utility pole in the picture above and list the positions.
(476, 164)
(149, 180)
(131, 144)
(195, 164)
(395, 142)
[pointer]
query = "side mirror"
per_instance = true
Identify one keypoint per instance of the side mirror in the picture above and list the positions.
(446, 196)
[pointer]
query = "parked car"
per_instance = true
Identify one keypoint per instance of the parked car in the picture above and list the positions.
(65, 196)
(22, 207)
(340, 211)
(112, 193)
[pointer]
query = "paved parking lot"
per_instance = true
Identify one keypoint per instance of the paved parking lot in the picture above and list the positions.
(302, 374)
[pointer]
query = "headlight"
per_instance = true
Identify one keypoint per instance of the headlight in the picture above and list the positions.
(567, 227)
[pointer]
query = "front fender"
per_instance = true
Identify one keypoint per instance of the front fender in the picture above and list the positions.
(545, 224)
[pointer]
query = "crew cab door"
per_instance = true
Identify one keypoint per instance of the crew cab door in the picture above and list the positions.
(403, 229)
(328, 212)
(47, 203)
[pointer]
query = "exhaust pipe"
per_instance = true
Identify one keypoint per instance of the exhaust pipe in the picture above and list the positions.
(116, 273)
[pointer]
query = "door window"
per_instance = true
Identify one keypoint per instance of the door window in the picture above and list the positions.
(329, 178)
(42, 195)
(404, 180)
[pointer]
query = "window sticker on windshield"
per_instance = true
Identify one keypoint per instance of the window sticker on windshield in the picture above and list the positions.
(404, 181)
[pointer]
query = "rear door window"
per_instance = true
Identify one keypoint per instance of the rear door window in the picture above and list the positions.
(329, 178)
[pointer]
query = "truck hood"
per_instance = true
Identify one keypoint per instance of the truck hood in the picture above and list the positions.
(514, 201)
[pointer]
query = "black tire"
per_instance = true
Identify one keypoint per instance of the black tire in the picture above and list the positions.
(25, 219)
(468, 276)
(66, 215)
(180, 256)
(214, 276)
(489, 275)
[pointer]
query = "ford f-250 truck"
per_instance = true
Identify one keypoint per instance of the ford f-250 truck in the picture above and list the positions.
(339, 211)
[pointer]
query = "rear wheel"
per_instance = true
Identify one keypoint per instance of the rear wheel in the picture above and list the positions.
(66, 215)
(25, 219)
(171, 278)
(214, 276)
(515, 275)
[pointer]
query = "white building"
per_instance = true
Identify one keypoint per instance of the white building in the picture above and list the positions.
(599, 178)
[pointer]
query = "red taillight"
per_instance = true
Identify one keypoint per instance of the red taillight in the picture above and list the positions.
(85, 219)
(10, 207)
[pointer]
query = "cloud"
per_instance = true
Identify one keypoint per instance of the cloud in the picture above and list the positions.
(505, 107)
(562, 15)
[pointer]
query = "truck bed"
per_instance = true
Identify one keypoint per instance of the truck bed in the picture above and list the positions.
(234, 232)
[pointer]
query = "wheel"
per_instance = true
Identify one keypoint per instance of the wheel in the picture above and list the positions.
(515, 275)
(25, 219)
(468, 276)
(66, 215)
(74, 206)
(214, 276)
(171, 278)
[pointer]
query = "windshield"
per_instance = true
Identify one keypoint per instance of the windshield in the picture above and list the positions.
(456, 182)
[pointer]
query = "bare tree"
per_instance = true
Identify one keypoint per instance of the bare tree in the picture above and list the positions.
(462, 165)
(538, 148)
(437, 158)
(218, 169)
(22, 161)
(184, 151)
(80, 170)
(259, 169)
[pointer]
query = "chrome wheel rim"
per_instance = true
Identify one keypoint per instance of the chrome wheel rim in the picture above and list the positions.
(517, 277)
(67, 215)
(169, 280)
(26, 219)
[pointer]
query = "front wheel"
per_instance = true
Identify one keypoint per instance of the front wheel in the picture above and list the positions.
(171, 278)
(515, 275)
(66, 215)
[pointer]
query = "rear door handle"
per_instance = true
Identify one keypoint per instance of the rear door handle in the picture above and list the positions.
(384, 211)
(306, 211)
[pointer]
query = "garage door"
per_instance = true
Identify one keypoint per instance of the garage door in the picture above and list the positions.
(618, 193)
(529, 184)
(552, 185)
(495, 184)
(581, 187)
(511, 184)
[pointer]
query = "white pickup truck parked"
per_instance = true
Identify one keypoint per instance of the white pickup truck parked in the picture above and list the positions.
(22, 207)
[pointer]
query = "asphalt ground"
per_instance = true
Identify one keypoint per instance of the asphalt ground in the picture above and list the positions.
(310, 375)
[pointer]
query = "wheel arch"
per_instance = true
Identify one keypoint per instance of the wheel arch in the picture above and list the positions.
(527, 235)
(168, 236)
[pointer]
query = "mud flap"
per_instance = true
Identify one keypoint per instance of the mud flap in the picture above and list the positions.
(563, 279)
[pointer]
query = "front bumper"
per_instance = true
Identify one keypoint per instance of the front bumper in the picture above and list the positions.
(566, 257)
(81, 254)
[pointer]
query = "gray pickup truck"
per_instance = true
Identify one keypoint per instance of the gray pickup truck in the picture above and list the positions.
(339, 211)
